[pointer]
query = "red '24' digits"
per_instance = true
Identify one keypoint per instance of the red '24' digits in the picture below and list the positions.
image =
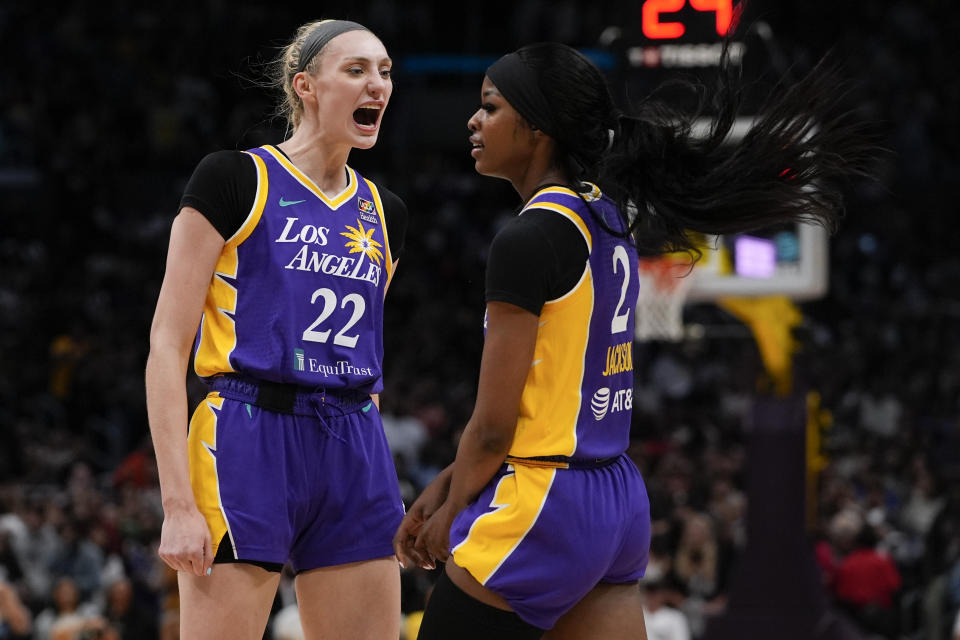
(654, 29)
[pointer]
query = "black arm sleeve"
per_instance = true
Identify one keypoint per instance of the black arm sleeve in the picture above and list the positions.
(223, 188)
(395, 215)
(537, 257)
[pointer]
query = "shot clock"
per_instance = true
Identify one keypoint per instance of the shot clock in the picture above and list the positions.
(662, 22)
(685, 33)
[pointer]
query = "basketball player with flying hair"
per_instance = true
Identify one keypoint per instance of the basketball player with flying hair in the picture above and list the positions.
(542, 519)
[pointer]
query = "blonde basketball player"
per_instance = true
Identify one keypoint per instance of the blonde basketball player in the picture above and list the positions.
(278, 265)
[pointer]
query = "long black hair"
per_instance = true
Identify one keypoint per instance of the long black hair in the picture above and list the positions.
(671, 180)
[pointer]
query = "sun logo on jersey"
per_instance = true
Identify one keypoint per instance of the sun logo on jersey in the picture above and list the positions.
(361, 241)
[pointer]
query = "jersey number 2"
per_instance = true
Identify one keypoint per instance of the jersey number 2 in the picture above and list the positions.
(621, 315)
(329, 304)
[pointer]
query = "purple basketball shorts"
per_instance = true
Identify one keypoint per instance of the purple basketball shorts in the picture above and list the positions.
(316, 487)
(543, 537)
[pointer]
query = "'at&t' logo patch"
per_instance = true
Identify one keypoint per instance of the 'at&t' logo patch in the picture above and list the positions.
(605, 402)
(600, 403)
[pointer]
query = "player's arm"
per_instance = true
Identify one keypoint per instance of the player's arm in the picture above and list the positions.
(538, 256)
(504, 366)
(488, 436)
(216, 200)
(194, 249)
(419, 512)
(376, 396)
(395, 217)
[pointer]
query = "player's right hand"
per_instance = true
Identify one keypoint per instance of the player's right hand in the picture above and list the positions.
(420, 511)
(185, 541)
(405, 538)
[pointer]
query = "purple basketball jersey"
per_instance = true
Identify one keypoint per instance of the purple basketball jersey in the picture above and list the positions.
(298, 292)
(579, 394)
(539, 534)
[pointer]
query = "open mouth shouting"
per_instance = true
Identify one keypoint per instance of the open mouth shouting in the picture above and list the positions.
(366, 117)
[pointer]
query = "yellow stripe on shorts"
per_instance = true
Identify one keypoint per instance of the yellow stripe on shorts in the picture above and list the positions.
(201, 443)
(519, 498)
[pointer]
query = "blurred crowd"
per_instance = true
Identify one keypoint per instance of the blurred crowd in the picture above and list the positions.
(105, 109)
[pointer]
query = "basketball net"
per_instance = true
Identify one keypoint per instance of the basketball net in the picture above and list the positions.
(664, 284)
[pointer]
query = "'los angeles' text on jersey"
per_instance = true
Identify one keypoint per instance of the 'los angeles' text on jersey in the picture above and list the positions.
(579, 393)
(299, 288)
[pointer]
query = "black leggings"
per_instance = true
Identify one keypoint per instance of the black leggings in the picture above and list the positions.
(451, 613)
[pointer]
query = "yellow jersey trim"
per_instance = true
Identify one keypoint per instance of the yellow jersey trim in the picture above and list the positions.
(302, 178)
(383, 225)
(218, 330)
(594, 193)
(586, 274)
(566, 212)
(551, 398)
(256, 212)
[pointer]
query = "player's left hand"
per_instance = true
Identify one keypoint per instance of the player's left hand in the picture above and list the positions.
(434, 537)
(423, 507)
(406, 537)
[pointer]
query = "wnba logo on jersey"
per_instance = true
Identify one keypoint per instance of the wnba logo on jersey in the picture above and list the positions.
(366, 210)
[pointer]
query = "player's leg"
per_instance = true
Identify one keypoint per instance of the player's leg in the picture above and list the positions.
(355, 601)
(613, 608)
(230, 442)
(462, 608)
(609, 611)
(232, 603)
(348, 579)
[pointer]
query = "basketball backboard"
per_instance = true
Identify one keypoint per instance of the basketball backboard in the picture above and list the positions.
(791, 260)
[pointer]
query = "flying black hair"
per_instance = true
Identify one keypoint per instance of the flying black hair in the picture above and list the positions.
(671, 180)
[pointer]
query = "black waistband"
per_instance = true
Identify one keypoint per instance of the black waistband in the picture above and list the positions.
(287, 398)
(562, 462)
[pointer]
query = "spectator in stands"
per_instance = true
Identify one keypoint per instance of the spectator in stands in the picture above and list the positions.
(68, 613)
(866, 584)
(15, 619)
(79, 558)
(127, 615)
(663, 621)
